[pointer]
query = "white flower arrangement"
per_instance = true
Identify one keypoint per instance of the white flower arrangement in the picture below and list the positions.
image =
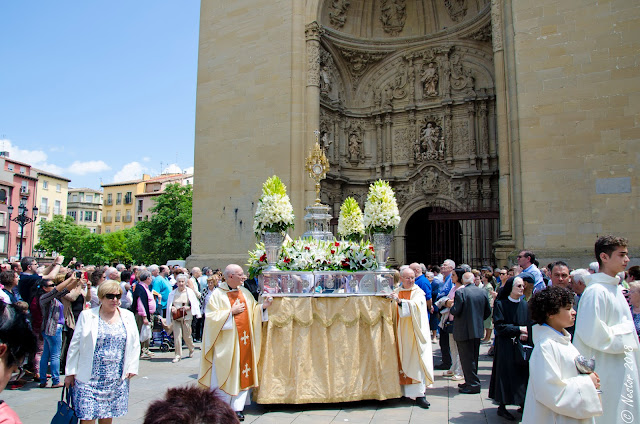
(381, 213)
(317, 255)
(350, 225)
(274, 212)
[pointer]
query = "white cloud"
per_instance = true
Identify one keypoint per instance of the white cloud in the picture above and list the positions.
(189, 170)
(88, 167)
(131, 171)
(146, 159)
(172, 169)
(56, 149)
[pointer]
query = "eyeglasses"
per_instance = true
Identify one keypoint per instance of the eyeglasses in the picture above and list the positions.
(112, 296)
(503, 273)
(48, 285)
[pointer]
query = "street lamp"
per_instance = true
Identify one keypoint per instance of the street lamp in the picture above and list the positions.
(22, 219)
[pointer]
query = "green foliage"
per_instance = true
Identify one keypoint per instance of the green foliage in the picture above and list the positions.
(274, 186)
(167, 235)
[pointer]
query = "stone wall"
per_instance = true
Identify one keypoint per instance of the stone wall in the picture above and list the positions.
(578, 109)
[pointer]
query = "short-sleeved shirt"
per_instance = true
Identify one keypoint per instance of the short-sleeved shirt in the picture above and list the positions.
(162, 286)
(152, 303)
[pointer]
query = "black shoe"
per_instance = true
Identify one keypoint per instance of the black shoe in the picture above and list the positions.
(42, 385)
(240, 415)
(422, 402)
(463, 385)
(469, 390)
(441, 367)
(502, 412)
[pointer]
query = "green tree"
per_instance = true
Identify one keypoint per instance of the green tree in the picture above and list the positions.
(52, 233)
(167, 235)
(92, 250)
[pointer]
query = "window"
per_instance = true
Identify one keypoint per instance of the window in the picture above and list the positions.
(57, 209)
(109, 199)
(117, 228)
(119, 199)
(95, 216)
(10, 166)
(3, 243)
(88, 215)
(118, 215)
(140, 205)
(74, 198)
(58, 188)
(3, 219)
(23, 170)
(139, 219)
(128, 198)
(45, 184)
(88, 198)
(80, 216)
(3, 197)
(44, 206)
(107, 230)
(72, 214)
(24, 187)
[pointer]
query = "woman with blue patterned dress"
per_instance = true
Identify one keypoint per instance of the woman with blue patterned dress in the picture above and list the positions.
(103, 356)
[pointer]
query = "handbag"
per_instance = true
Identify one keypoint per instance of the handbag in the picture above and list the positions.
(178, 313)
(65, 413)
(448, 327)
(522, 352)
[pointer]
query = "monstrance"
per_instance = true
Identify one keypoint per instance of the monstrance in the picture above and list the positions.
(318, 218)
(317, 165)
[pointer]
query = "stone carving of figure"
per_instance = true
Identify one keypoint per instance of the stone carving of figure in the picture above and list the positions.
(428, 138)
(325, 80)
(325, 142)
(394, 15)
(354, 147)
(429, 146)
(388, 91)
(430, 80)
(338, 13)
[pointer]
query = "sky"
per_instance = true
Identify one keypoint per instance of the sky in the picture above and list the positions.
(99, 91)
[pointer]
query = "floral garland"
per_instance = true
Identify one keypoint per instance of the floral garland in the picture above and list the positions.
(274, 212)
(350, 225)
(381, 213)
(316, 255)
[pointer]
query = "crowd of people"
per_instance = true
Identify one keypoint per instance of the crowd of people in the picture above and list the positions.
(94, 324)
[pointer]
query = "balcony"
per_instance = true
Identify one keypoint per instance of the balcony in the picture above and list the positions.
(108, 202)
(117, 219)
(57, 211)
(44, 210)
(126, 219)
(24, 192)
(128, 200)
(107, 219)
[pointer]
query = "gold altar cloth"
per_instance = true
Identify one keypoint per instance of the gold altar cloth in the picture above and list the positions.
(328, 349)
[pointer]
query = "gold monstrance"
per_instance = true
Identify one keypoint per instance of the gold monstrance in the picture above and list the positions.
(317, 165)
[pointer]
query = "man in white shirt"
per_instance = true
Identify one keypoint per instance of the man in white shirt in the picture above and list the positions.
(526, 259)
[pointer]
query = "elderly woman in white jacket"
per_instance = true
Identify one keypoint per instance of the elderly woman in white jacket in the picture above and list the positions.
(182, 306)
(103, 356)
(557, 393)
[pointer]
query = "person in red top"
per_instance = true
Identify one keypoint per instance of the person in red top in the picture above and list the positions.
(16, 343)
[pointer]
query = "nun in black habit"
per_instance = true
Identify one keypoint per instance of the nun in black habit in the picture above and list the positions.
(509, 376)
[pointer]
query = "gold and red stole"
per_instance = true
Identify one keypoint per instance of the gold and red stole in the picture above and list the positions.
(404, 379)
(243, 325)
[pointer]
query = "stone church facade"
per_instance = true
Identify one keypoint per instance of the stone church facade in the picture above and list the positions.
(500, 124)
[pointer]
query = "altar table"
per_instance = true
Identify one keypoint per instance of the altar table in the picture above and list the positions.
(328, 349)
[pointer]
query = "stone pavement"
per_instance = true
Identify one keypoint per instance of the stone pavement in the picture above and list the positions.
(37, 406)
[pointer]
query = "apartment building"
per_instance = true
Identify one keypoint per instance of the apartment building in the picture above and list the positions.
(118, 203)
(153, 188)
(84, 205)
(52, 191)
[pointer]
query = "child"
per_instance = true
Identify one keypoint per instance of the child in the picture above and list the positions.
(557, 392)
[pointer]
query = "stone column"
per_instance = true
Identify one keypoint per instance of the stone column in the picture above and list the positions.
(471, 110)
(448, 135)
(483, 134)
(505, 243)
(412, 124)
(312, 33)
(388, 142)
(379, 147)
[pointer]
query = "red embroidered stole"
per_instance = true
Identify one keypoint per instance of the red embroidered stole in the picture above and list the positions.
(243, 325)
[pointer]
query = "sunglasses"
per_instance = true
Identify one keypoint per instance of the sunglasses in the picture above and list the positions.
(48, 285)
(112, 296)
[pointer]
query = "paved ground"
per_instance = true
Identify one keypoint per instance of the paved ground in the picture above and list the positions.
(37, 406)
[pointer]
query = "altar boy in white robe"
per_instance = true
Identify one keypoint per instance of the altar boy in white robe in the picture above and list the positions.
(605, 330)
(414, 339)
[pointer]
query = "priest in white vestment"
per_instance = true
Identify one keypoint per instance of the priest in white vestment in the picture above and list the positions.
(231, 340)
(414, 339)
(605, 331)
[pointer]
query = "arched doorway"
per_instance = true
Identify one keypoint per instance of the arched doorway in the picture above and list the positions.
(431, 241)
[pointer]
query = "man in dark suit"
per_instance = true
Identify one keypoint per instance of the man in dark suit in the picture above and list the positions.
(470, 308)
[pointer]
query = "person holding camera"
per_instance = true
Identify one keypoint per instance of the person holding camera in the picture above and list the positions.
(52, 326)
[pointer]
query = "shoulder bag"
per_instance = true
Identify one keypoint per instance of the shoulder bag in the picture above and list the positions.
(65, 413)
(522, 352)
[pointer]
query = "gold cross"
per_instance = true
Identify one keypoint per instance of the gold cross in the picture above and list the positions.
(246, 370)
(244, 338)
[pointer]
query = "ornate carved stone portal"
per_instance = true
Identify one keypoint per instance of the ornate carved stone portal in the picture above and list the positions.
(407, 94)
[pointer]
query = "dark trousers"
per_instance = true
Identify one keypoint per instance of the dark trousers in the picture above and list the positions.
(445, 350)
(197, 327)
(469, 351)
